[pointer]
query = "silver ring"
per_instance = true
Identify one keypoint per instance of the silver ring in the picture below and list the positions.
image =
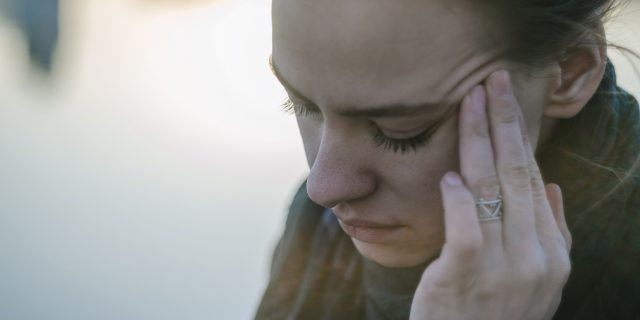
(489, 210)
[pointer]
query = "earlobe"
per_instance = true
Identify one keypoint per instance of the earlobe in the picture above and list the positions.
(579, 76)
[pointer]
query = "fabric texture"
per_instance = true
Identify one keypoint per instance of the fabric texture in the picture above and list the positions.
(317, 273)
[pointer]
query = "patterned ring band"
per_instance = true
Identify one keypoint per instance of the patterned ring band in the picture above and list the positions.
(489, 210)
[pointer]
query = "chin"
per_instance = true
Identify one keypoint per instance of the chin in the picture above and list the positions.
(394, 256)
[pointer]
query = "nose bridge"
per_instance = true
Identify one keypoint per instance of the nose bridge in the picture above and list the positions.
(340, 171)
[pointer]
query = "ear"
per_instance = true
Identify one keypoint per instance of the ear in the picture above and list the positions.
(579, 76)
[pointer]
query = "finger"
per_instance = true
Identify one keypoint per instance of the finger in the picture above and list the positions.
(554, 193)
(511, 164)
(477, 163)
(547, 228)
(463, 238)
(550, 237)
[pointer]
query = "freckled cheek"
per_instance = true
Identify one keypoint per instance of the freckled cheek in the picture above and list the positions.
(408, 174)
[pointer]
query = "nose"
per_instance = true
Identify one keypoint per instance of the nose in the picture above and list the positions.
(341, 171)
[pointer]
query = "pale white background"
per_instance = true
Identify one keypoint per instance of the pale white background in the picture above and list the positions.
(150, 178)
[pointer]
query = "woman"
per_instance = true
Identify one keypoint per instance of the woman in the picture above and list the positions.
(420, 121)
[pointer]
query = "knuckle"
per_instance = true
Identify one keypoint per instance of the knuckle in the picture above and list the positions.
(479, 129)
(536, 176)
(467, 248)
(487, 293)
(537, 188)
(533, 272)
(568, 239)
(532, 166)
(486, 187)
(508, 114)
(565, 270)
(562, 269)
(519, 177)
(561, 243)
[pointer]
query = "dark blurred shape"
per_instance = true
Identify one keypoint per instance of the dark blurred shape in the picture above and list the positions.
(39, 20)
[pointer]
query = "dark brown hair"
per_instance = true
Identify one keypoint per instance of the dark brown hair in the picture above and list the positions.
(594, 156)
(541, 31)
(538, 32)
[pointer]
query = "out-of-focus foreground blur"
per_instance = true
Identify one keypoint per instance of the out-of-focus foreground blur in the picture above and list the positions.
(145, 165)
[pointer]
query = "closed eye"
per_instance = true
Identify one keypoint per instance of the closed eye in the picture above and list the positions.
(403, 145)
(380, 139)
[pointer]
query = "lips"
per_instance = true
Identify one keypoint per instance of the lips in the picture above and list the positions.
(369, 231)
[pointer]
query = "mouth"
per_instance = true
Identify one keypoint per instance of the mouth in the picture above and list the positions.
(369, 231)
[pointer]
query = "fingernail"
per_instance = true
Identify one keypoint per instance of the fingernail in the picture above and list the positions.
(478, 99)
(452, 179)
(501, 84)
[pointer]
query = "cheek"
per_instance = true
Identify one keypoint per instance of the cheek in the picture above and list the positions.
(415, 173)
(407, 175)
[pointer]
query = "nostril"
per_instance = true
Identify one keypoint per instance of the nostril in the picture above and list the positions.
(339, 171)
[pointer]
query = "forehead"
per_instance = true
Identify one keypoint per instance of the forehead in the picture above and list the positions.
(358, 52)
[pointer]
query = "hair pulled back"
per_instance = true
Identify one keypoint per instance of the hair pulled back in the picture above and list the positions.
(535, 33)
(543, 31)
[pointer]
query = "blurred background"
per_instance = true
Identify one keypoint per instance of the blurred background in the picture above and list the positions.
(145, 165)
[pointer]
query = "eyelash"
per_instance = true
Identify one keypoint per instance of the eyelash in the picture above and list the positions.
(402, 145)
(300, 110)
(379, 138)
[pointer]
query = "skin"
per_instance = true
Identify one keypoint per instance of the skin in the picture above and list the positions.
(510, 268)
(356, 54)
(338, 58)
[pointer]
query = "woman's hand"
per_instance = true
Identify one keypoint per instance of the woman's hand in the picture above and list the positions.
(509, 268)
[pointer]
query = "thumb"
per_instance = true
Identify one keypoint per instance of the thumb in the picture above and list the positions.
(463, 236)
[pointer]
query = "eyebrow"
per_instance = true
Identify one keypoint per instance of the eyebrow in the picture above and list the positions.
(396, 110)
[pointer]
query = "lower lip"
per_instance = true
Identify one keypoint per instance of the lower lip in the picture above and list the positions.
(370, 234)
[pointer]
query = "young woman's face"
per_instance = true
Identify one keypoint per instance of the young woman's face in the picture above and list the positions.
(382, 81)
